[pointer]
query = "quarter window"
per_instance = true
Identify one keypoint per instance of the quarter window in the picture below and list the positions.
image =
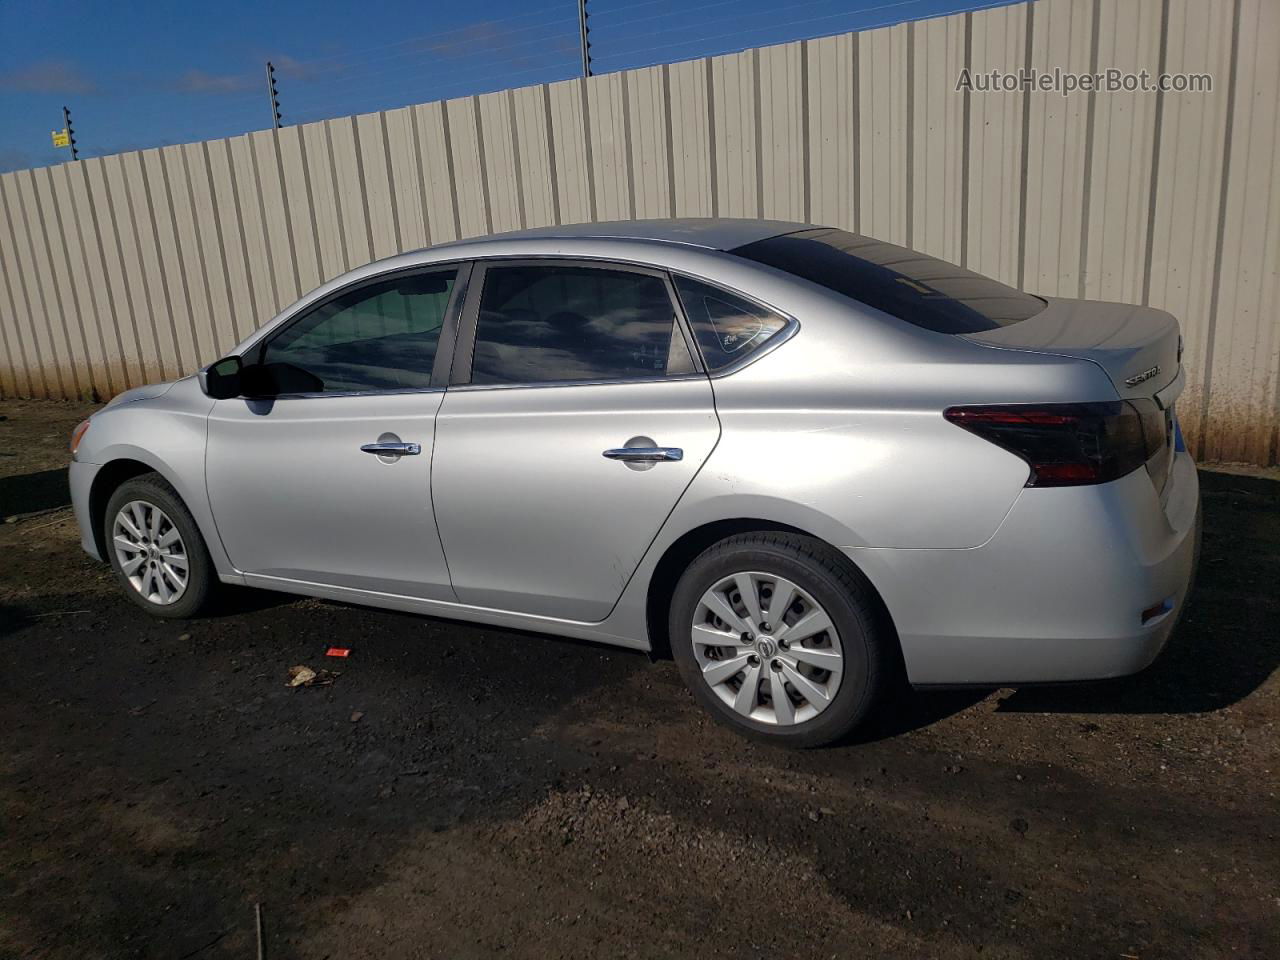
(382, 336)
(726, 326)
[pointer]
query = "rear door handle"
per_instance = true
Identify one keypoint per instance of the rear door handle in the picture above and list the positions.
(397, 449)
(645, 454)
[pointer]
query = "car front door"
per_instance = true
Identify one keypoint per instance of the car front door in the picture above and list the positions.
(576, 418)
(324, 474)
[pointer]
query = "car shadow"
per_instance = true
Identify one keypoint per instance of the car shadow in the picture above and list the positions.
(235, 601)
(12, 619)
(429, 727)
(34, 492)
(1228, 642)
(906, 709)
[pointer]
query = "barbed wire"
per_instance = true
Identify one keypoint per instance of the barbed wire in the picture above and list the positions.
(698, 8)
(406, 71)
(325, 104)
(376, 82)
(439, 92)
(749, 30)
(596, 12)
(438, 34)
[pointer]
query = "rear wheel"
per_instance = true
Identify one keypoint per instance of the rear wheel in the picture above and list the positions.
(156, 549)
(778, 637)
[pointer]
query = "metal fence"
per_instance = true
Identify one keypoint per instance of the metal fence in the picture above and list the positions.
(142, 266)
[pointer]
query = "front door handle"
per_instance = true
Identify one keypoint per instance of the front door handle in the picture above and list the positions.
(397, 449)
(645, 454)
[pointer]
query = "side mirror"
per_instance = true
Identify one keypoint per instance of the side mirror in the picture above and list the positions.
(221, 380)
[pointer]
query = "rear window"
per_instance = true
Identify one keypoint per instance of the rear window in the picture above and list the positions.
(911, 286)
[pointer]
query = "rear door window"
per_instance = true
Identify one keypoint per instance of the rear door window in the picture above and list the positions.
(911, 286)
(541, 323)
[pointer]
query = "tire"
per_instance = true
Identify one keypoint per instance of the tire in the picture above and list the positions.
(140, 495)
(827, 581)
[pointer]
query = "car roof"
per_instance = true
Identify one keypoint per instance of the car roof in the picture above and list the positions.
(721, 233)
(636, 240)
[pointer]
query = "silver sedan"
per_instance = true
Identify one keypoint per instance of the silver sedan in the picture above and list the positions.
(799, 460)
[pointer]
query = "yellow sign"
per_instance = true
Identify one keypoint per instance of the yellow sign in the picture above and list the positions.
(60, 137)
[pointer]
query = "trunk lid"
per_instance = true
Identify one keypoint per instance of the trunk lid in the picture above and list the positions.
(1139, 348)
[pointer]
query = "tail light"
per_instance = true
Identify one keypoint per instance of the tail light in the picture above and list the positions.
(1070, 444)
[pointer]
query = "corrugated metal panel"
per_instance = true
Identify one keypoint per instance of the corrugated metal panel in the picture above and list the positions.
(437, 163)
(39, 218)
(330, 235)
(533, 138)
(196, 260)
(347, 169)
(95, 294)
(13, 365)
(126, 269)
(784, 172)
(833, 119)
(997, 40)
(381, 207)
(573, 156)
(501, 170)
(1057, 140)
(269, 174)
(15, 252)
(692, 140)
(470, 186)
(169, 259)
(147, 253)
(1189, 158)
(650, 142)
(406, 178)
(1245, 344)
(212, 248)
(127, 263)
(937, 138)
(607, 104)
(1121, 168)
(734, 84)
(884, 132)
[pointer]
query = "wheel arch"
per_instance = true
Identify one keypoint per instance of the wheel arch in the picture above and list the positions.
(106, 482)
(685, 548)
(129, 462)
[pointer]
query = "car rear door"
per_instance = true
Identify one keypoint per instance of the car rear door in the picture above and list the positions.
(576, 417)
(325, 477)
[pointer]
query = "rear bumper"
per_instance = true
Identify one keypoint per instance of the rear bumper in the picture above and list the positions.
(1057, 594)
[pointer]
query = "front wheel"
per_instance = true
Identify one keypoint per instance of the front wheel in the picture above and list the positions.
(156, 549)
(778, 637)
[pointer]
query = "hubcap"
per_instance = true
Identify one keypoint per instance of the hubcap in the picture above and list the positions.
(152, 555)
(767, 648)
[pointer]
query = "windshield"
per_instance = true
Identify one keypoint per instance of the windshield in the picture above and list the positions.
(911, 286)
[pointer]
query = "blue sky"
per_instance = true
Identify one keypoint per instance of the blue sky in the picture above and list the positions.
(142, 74)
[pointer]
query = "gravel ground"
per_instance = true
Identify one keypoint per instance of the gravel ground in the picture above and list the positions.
(464, 792)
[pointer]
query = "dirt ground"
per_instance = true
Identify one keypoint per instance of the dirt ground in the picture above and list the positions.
(463, 792)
